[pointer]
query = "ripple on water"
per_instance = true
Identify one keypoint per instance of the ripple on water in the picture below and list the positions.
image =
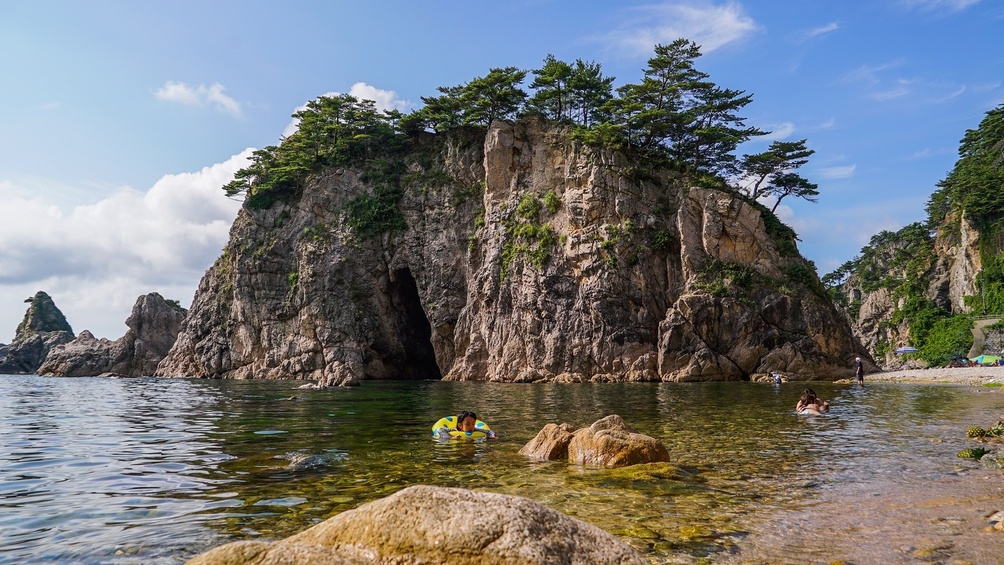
(156, 470)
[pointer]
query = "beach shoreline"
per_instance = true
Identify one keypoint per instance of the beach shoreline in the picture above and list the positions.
(973, 376)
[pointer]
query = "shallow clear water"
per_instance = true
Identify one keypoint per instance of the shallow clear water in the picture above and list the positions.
(158, 470)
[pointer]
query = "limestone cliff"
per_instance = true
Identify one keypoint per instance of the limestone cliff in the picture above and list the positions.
(43, 328)
(522, 256)
(942, 270)
(153, 328)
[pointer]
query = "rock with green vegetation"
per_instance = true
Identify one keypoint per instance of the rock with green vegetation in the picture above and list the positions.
(922, 284)
(43, 328)
(153, 327)
(510, 253)
(426, 524)
(971, 453)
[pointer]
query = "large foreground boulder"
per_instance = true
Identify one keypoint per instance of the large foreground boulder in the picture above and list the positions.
(609, 442)
(153, 327)
(43, 328)
(425, 524)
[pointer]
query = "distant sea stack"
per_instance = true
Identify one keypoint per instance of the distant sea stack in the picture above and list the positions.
(153, 328)
(43, 328)
(512, 253)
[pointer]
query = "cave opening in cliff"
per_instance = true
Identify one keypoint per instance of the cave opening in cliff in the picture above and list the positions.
(415, 330)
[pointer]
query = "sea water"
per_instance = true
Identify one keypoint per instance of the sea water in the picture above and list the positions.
(102, 470)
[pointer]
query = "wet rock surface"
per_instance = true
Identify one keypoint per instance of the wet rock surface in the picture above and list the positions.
(609, 442)
(425, 524)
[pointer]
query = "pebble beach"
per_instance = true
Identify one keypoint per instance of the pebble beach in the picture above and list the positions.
(975, 376)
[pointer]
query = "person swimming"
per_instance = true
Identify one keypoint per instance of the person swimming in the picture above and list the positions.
(809, 403)
(467, 423)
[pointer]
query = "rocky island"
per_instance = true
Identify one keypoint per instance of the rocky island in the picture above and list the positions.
(520, 255)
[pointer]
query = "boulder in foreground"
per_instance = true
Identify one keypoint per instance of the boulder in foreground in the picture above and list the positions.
(426, 524)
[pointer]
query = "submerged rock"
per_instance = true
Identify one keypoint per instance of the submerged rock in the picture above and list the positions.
(153, 327)
(426, 524)
(43, 328)
(550, 444)
(609, 442)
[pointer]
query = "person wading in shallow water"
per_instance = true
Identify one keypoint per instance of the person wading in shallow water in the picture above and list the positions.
(859, 370)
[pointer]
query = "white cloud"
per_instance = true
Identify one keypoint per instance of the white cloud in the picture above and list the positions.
(710, 25)
(952, 95)
(891, 94)
(940, 5)
(828, 124)
(869, 74)
(97, 258)
(780, 131)
(202, 95)
(383, 100)
(842, 172)
(822, 30)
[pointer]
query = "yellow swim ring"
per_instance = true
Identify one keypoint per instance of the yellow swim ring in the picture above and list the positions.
(481, 429)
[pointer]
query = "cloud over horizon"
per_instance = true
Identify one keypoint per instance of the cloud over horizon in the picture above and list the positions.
(96, 258)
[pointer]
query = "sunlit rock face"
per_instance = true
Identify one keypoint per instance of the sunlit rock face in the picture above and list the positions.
(426, 524)
(153, 328)
(43, 328)
(526, 257)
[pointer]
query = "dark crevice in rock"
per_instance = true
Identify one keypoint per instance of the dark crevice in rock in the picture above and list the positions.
(415, 330)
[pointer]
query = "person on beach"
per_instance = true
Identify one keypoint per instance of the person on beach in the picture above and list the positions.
(809, 403)
(859, 370)
(466, 422)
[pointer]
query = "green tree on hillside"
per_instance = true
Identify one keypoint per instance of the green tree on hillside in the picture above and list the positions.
(572, 93)
(495, 96)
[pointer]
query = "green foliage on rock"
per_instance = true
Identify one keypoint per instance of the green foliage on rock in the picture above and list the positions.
(527, 240)
(721, 279)
(947, 339)
(333, 131)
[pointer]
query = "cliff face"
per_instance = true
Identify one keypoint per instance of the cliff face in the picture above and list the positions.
(945, 270)
(526, 257)
(153, 328)
(43, 328)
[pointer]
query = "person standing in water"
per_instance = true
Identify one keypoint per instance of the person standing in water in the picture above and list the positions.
(859, 370)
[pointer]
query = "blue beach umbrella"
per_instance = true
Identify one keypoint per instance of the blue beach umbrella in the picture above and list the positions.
(982, 359)
(903, 350)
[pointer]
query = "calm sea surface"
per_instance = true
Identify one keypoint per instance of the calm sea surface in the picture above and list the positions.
(98, 470)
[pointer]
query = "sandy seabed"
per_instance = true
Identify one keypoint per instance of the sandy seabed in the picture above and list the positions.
(884, 521)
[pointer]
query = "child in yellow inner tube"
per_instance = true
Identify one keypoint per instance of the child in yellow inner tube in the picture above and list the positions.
(466, 422)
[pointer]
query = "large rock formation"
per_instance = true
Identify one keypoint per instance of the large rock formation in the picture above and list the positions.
(43, 328)
(425, 524)
(946, 269)
(527, 256)
(153, 328)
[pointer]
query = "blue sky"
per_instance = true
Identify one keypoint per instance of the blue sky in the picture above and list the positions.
(120, 120)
